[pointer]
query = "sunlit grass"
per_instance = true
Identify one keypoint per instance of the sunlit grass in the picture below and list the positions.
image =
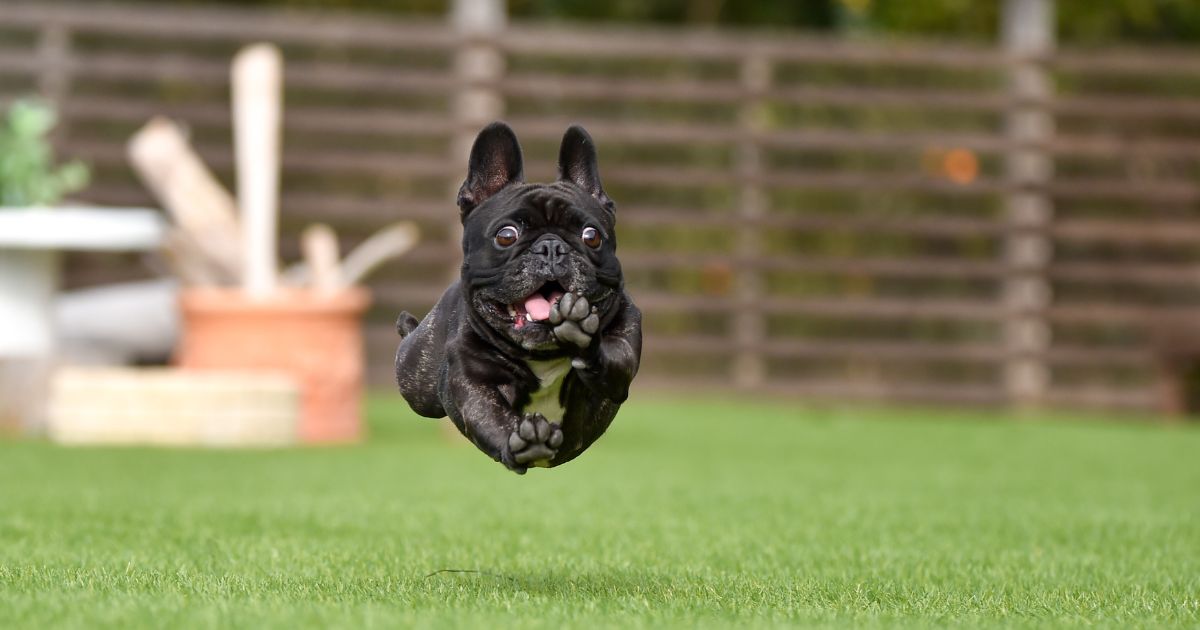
(706, 513)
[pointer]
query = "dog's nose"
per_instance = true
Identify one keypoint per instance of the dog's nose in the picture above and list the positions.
(551, 249)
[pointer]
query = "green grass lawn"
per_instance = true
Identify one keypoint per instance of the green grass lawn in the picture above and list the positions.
(707, 513)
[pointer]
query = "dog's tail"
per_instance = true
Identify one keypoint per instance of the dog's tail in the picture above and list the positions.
(405, 324)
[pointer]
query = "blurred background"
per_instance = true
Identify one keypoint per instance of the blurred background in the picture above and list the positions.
(940, 201)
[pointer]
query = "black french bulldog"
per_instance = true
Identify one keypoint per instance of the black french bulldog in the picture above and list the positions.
(532, 351)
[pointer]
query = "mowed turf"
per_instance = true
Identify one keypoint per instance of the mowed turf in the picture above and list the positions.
(695, 514)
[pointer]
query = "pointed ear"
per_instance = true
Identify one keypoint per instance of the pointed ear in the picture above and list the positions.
(495, 163)
(577, 164)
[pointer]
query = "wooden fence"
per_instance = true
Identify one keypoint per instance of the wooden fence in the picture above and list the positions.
(798, 214)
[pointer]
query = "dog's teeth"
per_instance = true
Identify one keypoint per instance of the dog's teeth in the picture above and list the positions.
(529, 318)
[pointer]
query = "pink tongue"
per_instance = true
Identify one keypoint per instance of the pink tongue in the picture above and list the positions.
(538, 307)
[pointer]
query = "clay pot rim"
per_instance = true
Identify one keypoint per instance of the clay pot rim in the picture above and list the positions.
(291, 300)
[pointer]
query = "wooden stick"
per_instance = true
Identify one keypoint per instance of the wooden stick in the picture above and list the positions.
(391, 242)
(187, 262)
(320, 246)
(257, 115)
(202, 208)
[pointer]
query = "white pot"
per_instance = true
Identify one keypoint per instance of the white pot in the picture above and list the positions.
(31, 242)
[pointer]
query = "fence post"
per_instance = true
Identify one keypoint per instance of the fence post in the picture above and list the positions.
(749, 324)
(478, 66)
(54, 78)
(1028, 35)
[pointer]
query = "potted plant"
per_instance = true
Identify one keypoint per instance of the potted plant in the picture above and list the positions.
(29, 177)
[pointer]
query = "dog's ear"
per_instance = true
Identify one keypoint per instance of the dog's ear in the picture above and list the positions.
(577, 164)
(495, 163)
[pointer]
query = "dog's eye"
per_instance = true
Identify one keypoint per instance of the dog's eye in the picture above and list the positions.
(591, 237)
(507, 236)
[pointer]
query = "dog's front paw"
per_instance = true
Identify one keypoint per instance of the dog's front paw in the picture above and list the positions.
(534, 442)
(575, 320)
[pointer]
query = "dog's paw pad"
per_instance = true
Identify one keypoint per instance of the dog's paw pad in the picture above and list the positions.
(572, 333)
(579, 309)
(590, 324)
(535, 440)
(574, 319)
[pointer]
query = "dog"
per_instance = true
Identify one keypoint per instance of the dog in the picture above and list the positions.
(532, 351)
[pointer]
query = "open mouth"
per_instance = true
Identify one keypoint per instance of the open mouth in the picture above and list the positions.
(536, 306)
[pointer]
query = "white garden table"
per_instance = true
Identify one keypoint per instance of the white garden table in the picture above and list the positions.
(31, 244)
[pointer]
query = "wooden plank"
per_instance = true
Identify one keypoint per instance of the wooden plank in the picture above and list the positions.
(1092, 355)
(375, 122)
(691, 176)
(819, 221)
(713, 46)
(916, 307)
(621, 89)
(864, 140)
(175, 67)
(831, 389)
(1130, 272)
(238, 25)
(1136, 106)
(1175, 192)
(800, 263)
(626, 88)
(876, 98)
(312, 161)
(327, 207)
(1144, 60)
(1115, 145)
(299, 205)
(1133, 315)
(887, 351)
(20, 62)
(1103, 397)
(1133, 230)
(883, 181)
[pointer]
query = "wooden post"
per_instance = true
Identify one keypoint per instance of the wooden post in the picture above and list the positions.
(749, 323)
(257, 82)
(54, 79)
(478, 65)
(1028, 34)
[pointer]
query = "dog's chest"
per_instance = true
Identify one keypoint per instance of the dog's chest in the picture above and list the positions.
(546, 400)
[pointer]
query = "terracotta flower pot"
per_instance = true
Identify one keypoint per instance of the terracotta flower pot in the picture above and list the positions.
(315, 337)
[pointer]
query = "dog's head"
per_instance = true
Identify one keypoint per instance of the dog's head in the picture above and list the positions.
(525, 245)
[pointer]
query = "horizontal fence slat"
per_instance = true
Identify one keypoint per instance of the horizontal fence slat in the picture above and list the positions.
(306, 118)
(1123, 105)
(902, 267)
(192, 69)
(234, 24)
(313, 161)
(834, 390)
(902, 351)
(691, 45)
(851, 308)
(1126, 230)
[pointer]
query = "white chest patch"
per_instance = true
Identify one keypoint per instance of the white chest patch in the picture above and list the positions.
(546, 399)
